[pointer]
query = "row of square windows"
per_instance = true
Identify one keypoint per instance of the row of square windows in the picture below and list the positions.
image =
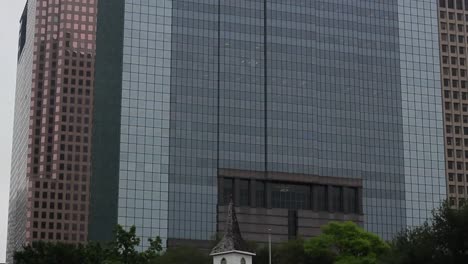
(453, 38)
(58, 226)
(77, 129)
(54, 185)
(78, 63)
(71, 139)
(453, 49)
(71, 119)
(453, 16)
(453, 60)
(62, 167)
(456, 118)
(457, 141)
(455, 83)
(461, 189)
(456, 107)
(62, 156)
(61, 206)
(453, 27)
(66, 236)
(459, 177)
(65, 109)
(80, 82)
(454, 4)
(454, 72)
(60, 196)
(75, 72)
(454, 202)
(457, 130)
(451, 153)
(67, 79)
(75, 92)
(61, 185)
(456, 165)
(61, 215)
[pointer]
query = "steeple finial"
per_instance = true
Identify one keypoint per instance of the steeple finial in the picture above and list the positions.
(232, 240)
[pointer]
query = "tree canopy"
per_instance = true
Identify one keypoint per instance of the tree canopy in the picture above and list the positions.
(346, 243)
(444, 239)
(122, 250)
(285, 253)
(52, 253)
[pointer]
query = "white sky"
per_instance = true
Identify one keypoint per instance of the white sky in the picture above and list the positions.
(10, 12)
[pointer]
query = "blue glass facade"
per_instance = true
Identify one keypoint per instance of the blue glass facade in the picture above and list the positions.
(145, 117)
(330, 88)
(423, 142)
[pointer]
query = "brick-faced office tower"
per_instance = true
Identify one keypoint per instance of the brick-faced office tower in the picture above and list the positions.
(50, 181)
(302, 111)
(453, 26)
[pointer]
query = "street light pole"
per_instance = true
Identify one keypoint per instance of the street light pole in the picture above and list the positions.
(269, 246)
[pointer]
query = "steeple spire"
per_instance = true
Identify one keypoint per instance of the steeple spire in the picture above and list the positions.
(232, 240)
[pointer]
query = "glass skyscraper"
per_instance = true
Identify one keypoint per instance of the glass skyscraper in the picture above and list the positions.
(326, 88)
(303, 111)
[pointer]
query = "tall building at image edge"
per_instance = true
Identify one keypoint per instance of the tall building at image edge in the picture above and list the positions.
(155, 113)
(51, 161)
(453, 28)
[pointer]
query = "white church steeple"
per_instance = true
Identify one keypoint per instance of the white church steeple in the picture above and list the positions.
(232, 248)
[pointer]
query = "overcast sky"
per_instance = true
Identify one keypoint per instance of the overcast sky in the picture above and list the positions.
(10, 11)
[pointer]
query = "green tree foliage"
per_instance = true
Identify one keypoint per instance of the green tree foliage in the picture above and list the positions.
(291, 252)
(345, 243)
(94, 253)
(51, 253)
(285, 253)
(154, 250)
(123, 248)
(183, 255)
(120, 251)
(442, 240)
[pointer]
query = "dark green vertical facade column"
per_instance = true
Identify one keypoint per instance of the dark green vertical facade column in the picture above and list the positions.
(106, 126)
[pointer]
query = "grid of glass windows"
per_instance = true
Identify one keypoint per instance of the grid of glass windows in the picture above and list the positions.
(242, 85)
(144, 148)
(424, 168)
(193, 124)
(330, 88)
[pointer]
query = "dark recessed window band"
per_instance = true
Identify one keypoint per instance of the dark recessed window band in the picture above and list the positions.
(290, 195)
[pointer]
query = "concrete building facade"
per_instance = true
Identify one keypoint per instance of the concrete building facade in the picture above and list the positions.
(453, 26)
(51, 167)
